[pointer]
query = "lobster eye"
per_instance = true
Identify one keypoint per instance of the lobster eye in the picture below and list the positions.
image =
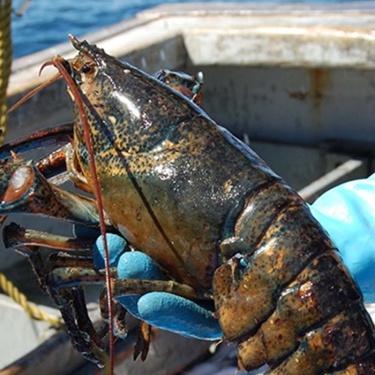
(87, 69)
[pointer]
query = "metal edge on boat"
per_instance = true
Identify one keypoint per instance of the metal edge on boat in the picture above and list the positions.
(301, 35)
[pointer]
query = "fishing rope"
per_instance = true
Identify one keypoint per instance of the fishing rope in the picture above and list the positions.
(5, 61)
(6, 285)
(34, 311)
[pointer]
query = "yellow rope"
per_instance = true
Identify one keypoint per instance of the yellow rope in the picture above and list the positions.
(5, 61)
(30, 308)
(5, 64)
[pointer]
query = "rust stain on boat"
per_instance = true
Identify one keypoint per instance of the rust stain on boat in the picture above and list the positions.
(299, 95)
(319, 83)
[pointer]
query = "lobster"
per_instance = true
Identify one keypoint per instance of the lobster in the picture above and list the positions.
(222, 225)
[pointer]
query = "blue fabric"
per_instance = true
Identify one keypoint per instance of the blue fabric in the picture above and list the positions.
(347, 213)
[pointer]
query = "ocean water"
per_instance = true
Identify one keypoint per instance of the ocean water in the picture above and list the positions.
(47, 22)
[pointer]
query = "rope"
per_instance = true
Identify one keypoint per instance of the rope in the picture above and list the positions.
(30, 308)
(5, 61)
(5, 65)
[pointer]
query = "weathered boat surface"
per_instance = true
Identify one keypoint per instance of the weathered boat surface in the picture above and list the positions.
(297, 80)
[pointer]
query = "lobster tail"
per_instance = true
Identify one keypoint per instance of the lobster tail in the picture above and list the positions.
(276, 298)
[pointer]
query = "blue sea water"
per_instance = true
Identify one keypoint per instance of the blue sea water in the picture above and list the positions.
(47, 22)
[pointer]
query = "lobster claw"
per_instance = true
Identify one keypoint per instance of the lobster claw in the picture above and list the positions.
(7, 168)
(24, 189)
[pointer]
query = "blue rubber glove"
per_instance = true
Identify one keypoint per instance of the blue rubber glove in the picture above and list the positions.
(160, 309)
(347, 213)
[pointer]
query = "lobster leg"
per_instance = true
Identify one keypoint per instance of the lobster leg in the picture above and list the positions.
(120, 326)
(16, 236)
(72, 270)
(136, 286)
(72, 306)
(63, 286)
(119, 318)
(142, 345)
(64, 277)
(68, 295)
(66, 280)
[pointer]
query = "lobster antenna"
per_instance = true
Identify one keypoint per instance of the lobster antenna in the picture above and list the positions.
(35, 90)
(58, 62)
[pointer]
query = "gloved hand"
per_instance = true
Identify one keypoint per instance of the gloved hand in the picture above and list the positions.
(346, 212)
(163, 310)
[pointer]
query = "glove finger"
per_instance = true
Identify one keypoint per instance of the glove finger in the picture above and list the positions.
(116, 246)
(180, 315)
(136, 265)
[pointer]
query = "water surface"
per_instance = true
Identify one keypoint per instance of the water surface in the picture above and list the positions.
(47, 22)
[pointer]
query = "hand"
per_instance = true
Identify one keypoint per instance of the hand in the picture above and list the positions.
(163, 310)
(346, 212)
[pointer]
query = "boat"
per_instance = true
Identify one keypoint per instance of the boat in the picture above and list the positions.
(296, 81)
